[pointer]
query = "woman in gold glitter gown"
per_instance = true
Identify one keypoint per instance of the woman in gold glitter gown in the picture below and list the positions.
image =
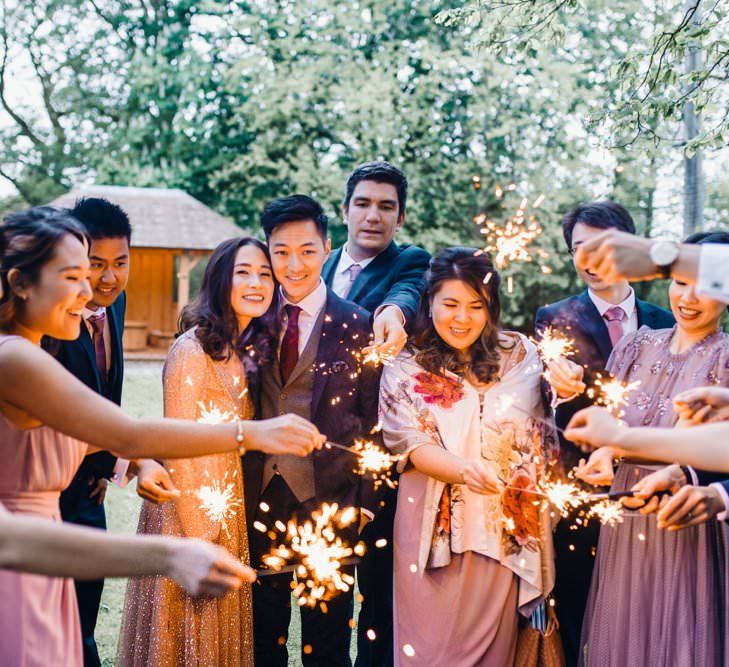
(206, 379)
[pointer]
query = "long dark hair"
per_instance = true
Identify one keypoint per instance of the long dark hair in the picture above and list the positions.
(28, 242)
(472, 267)
(213, 315)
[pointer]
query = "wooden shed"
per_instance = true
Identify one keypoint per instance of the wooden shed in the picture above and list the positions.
(171, 233)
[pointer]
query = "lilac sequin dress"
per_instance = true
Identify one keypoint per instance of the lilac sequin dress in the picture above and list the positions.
(659, 598)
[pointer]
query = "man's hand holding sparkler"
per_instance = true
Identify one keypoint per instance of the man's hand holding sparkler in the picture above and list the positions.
(388, 328)
(153, 481)
(479, 477)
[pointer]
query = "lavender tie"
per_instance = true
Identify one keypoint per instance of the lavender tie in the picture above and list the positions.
(97, 324)
(354, 271)
(615, 317)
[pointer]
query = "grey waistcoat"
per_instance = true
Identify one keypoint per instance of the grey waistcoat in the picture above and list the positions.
(294, 397)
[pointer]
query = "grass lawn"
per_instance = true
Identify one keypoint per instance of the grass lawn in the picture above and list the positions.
(142, 397)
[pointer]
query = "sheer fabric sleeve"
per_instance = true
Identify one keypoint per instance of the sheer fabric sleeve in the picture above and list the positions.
(185, 378)
(406, 422)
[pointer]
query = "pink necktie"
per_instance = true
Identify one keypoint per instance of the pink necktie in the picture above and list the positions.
(97, 324)
(354, 271)
(615, 317)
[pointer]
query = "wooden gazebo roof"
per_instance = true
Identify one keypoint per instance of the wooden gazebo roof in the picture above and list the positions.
(161, 218)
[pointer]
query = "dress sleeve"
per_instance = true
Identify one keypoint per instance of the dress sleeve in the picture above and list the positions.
(623, 355)
(184, 380)
(406, 423)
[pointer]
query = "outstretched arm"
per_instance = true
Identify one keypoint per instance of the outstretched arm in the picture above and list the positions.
(35, 545)
(36, 384)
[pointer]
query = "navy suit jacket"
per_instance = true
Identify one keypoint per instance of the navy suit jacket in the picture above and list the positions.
(77, 356)
(343, 407)
(579, 319)
(396, 276)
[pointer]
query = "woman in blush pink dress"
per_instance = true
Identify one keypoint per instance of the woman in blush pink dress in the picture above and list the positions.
(463, 406)
(205, 378)
(43, 276)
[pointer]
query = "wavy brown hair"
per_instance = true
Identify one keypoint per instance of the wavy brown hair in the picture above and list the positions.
(482, 362)
(213, 315)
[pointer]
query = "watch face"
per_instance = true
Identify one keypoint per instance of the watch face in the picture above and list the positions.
(663, 253)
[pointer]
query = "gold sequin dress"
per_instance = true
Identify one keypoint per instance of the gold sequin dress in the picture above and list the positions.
(162, 625)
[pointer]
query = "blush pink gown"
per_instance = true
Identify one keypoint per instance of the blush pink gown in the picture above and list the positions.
(39, 623)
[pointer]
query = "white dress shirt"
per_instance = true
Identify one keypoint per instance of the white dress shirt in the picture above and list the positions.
(311, 306)
(713, 278)
(341, 282)
(630, 323)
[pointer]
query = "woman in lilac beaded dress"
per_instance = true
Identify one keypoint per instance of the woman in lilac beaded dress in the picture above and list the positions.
(659, 598)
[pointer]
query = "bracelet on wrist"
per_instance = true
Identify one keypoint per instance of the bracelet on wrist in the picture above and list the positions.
(240, 437)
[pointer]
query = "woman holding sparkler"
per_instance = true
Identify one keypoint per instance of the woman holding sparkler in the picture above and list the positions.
(206, 378)
(47, 416)
(639, 568)
(462, 406)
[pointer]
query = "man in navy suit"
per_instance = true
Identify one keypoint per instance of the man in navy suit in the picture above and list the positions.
(96, 358)
(317, 375)
(387, 279)
(595, 319)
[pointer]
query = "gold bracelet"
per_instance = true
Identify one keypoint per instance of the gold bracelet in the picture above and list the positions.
(240, 438)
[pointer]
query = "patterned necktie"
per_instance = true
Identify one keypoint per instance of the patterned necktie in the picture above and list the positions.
(97, 339)
(290, 344)
(615, 317)
(354, 271)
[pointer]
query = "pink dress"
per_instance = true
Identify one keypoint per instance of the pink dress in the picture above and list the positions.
(39, 623)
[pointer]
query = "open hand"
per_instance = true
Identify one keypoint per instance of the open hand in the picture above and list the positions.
(702, 405)
(690, 506)
(99, 491)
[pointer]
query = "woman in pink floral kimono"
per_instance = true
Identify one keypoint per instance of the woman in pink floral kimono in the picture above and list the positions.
(463, 407)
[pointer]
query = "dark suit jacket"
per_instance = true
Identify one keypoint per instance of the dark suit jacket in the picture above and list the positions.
(579, 319)
(77, 356)
(395, 276)
(343, 407)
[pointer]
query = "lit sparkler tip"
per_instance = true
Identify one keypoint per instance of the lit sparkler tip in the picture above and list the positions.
(608, 512)
(554, 344)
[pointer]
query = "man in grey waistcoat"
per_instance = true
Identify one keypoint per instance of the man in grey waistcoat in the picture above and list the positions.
(316, 374)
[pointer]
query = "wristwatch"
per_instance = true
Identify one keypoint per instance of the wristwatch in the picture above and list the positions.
(663, 253)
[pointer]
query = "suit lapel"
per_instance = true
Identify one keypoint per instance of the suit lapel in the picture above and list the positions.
(330, 267)
(84, 340)
(309, 353)
(594, 325)
(117, 352)
(645, 315)
(325, 353)
(373, 269)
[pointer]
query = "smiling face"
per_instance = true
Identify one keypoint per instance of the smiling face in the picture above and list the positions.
(53, 306)
(459, 314)
(372, 218)
(298, 253)
(109, 270)
(251, 291)
(694, 314)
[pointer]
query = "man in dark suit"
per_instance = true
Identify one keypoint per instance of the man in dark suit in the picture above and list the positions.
(96, 358)
(595, 319)
(387, 279)
(316, 374)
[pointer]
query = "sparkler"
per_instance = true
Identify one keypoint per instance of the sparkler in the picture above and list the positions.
(608, 512)
(371, 460)
(611, 393)
(219, 501)
(553, 344)
(371, 356)
(319, 554)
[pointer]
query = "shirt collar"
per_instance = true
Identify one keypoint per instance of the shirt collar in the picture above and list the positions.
(628, 304)
(345, 261)
(312, 304)
(87, 312)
